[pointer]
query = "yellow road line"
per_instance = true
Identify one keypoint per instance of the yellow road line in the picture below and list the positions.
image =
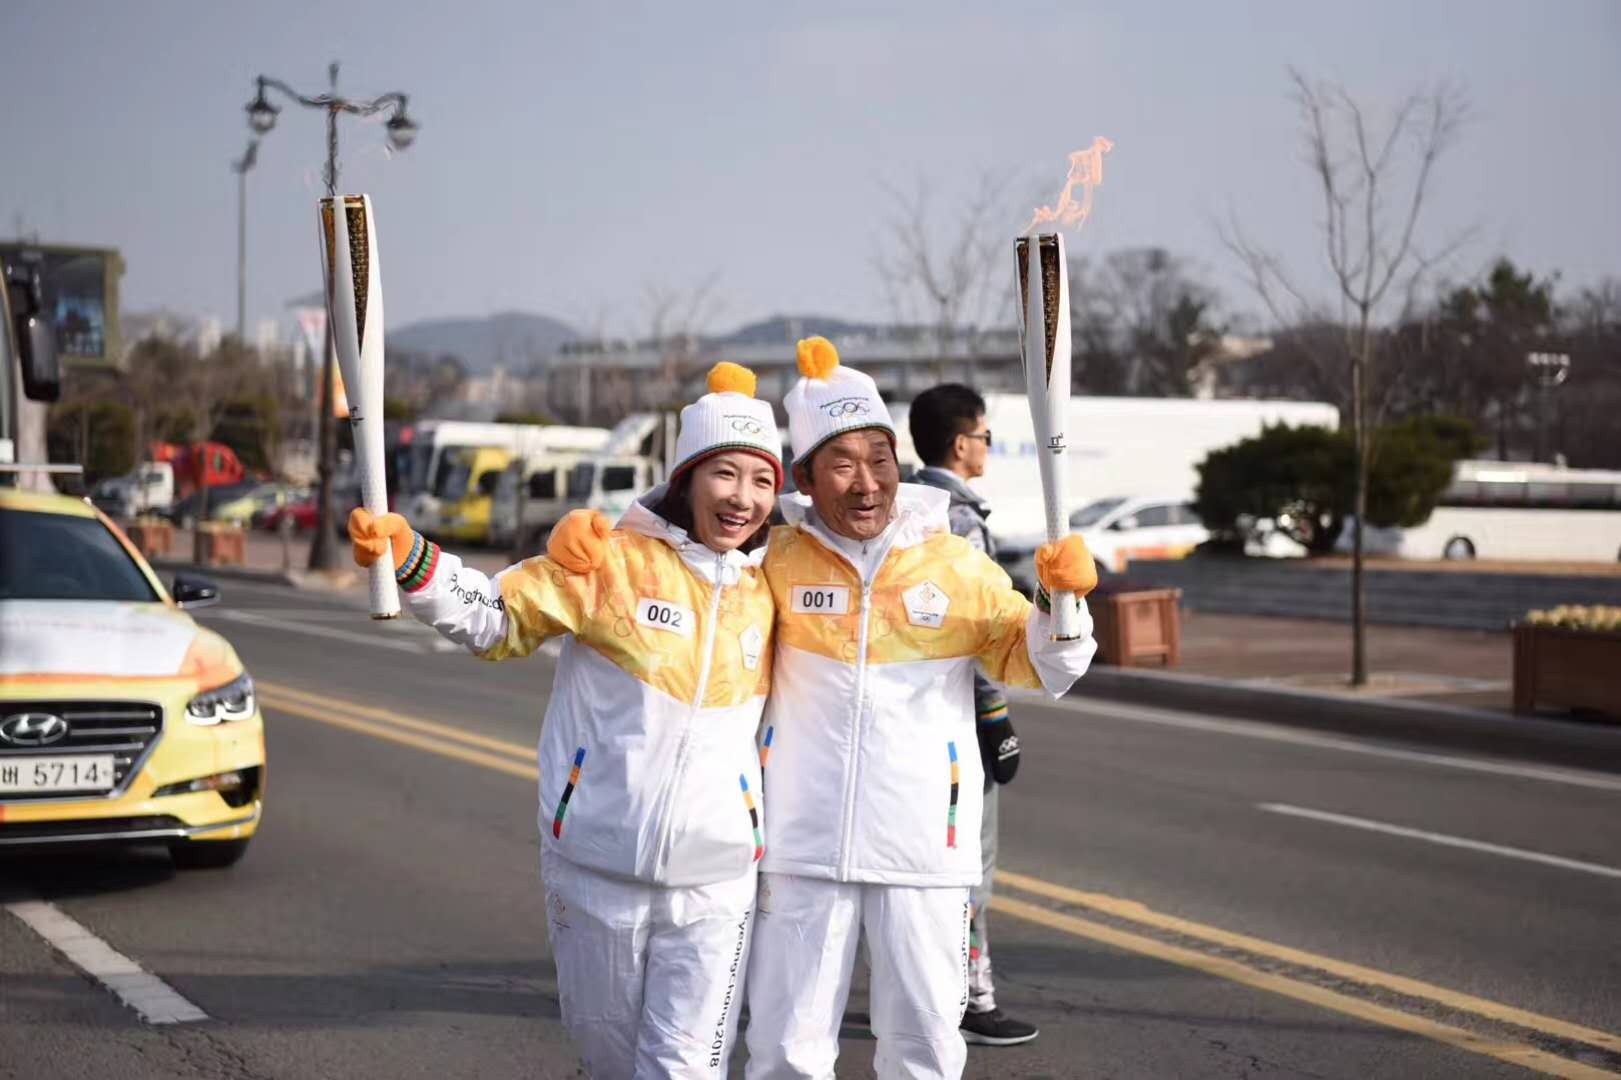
(1136, 912)
(389, 716)
(1514, 1053)
(405, 738)
(326, 710)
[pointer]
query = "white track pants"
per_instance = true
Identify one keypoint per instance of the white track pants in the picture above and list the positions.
(805, 940)
(650, 978)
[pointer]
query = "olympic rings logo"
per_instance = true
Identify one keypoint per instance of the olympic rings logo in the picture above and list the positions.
(846, 407)
(747, 425)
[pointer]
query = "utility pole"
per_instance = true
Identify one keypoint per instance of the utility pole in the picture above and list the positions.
(241, 168)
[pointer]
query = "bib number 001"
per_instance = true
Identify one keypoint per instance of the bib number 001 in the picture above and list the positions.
(820, 600)
(658, 614)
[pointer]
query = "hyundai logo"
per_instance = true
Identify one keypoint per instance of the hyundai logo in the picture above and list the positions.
(33, 729)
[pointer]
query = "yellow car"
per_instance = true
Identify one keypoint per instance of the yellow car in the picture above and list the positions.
(121, 719)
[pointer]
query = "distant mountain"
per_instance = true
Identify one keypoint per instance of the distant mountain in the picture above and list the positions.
(780, 329)
(509, 339)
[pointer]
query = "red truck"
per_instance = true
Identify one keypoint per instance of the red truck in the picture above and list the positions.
(190, 461)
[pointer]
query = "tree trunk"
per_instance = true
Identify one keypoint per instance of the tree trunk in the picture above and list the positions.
(1359, 435)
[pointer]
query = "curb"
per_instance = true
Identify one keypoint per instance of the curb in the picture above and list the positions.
(1547, 740)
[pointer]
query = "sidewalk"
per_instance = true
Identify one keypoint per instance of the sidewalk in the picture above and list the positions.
(1470, 668)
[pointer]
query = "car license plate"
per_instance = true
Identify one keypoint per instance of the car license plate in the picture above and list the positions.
(60, 772)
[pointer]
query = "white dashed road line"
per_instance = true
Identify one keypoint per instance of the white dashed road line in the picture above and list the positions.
(155, 1000)
(1442, 839)
(1255, 729)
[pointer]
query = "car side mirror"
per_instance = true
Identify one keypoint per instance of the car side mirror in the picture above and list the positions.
(194, 592)
(1125, 524)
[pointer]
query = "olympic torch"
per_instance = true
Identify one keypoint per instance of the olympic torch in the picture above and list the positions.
(354, 302)
(1043, 281)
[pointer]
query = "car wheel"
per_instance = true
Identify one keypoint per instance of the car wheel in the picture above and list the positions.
(207, 854)
(1458, 549)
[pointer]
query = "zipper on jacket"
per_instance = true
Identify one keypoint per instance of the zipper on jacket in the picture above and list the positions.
(661, 850)
(861, 708)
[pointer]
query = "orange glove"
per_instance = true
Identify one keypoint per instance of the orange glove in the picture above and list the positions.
(375, 534)
(579, 542)
(1066, 566)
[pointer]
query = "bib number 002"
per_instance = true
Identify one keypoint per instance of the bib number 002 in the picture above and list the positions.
(658, 614)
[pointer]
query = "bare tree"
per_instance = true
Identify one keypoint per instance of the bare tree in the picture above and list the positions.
(1373, 188)
(944, 276)
(677, 319)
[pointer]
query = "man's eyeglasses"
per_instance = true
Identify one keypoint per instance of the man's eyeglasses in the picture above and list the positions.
(986, 435)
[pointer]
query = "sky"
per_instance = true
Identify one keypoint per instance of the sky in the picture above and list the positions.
(573, 157)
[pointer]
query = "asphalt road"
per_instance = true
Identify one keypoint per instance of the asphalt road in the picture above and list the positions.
(1182, 896)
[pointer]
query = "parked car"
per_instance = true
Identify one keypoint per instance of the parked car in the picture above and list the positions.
(1117, 530)
(184, 513)
(257, 503)
(302, 513)
(121, 719)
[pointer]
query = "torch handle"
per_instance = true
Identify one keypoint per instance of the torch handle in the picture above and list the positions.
(1066, 606)
(1066, 616)
(385, 595)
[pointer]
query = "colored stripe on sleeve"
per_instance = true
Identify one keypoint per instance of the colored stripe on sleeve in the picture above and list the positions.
(994, 713)
(951, 812)
(424, 574)
(405, 568)
(568, 792)
(754, 817)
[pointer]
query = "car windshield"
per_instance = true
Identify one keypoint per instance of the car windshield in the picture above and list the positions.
(455, 471)
(1092, 513)
(57, 557)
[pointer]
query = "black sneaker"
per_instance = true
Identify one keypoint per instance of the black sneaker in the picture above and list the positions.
(995, 1028)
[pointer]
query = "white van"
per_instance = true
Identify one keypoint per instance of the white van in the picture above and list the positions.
(149, 488)
(543, 503)
(604, 484)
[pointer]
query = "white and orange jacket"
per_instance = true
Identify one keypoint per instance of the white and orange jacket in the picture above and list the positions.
(872, 770)
(648, 766)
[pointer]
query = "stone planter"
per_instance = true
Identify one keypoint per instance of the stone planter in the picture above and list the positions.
(224, 545)
(1138, 627)
(1569, 669)
(154, 537)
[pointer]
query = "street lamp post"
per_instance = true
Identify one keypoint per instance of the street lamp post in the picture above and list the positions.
(1550, 370)
(402, 132)
(241, 168)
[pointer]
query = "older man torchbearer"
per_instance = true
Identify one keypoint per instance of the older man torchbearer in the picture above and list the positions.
(873, 786)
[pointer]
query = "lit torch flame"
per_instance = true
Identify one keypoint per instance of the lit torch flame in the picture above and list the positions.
(1085, 172)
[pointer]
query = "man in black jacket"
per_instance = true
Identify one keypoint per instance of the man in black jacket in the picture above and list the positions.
(952, 439)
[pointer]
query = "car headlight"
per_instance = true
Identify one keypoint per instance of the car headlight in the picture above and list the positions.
(233, 701)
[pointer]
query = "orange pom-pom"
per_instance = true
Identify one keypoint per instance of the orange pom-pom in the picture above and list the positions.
(729, 378)
(817, 357)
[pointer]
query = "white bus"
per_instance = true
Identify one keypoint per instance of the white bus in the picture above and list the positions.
(428, 459)
(1515, 510)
